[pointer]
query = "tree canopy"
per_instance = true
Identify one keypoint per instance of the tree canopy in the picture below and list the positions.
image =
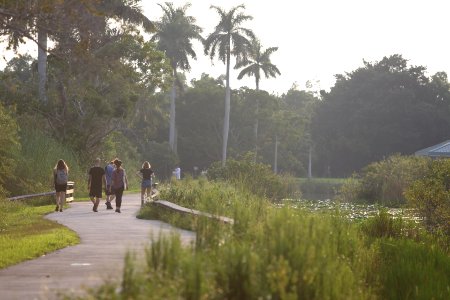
(379, 109)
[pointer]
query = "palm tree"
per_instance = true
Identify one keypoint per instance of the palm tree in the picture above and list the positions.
(257, 61)
(229, 38)
(174, 36)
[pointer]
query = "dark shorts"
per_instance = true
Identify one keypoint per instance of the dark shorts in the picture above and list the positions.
(146, 183)
(61, 187)
(95, 193)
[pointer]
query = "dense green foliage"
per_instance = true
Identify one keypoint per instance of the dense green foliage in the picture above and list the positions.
(9, 147)
(430, 196)
(256, 178)
(385, 182)
(282, 253)
(377, 110)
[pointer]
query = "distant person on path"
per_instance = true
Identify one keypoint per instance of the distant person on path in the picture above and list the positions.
(60, 178)
(145, 173)
(109, 169)
(119, 183)
(95, 183)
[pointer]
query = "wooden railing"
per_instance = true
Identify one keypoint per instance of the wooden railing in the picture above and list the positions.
(69, 193)
(182, 209)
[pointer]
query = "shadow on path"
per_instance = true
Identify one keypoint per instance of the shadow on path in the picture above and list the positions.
(105, 238)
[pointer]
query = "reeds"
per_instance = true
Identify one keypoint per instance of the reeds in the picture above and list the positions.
(284, 253)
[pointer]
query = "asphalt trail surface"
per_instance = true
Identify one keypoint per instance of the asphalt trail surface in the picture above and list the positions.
(106, 236)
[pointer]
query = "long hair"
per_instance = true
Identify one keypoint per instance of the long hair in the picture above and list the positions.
(61, 165)
(118, 164)
(146, 165)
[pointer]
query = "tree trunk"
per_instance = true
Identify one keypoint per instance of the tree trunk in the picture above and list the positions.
(256, 120)
(172, 117)
(42, 65)
(256, 130)
(226, 119)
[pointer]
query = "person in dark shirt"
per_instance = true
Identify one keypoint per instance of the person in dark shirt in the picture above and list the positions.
(145, 173)
(95, 183)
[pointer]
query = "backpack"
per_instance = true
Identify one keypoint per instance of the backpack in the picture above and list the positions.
(61, 177)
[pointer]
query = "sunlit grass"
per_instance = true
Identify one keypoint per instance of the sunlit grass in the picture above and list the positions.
(25, 234)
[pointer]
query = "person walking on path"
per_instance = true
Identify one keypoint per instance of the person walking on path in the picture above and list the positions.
(109, 169)
(60, 178)
(145, 173)
(119, 183)
(95, 183)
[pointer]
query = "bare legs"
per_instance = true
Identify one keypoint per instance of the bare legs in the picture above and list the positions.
(60, 199)
(109, 198)
(145, 193)
(96, 202)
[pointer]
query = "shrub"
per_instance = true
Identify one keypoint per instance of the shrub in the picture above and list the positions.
(39, 154)
(9, 149)
(431, 196)
(256, 177)
(385, 182)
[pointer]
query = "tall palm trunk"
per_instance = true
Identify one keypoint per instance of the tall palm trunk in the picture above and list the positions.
(42, 65)
(226, 119)
(256, 121)
(172, 115)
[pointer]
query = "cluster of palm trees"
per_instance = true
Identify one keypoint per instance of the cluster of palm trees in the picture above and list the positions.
(174, 35)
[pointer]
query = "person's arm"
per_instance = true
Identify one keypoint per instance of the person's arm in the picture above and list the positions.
(139, 174)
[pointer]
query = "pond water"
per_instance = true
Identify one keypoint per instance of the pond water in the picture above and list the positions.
(350, 210)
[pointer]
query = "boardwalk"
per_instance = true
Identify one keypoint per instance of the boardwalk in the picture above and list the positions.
(105, 238)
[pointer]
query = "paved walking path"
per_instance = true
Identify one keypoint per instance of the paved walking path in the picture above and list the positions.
(105, 238)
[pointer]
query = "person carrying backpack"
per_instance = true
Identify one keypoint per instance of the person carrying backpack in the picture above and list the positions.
(60, 178)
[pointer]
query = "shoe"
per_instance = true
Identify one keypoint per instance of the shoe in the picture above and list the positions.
(108, 205)
(57, 208)
(118, 210)
(60, 210)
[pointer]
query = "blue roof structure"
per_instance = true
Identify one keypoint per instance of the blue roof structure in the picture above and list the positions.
(439, 150)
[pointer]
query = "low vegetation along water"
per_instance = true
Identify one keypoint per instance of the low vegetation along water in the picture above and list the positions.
(349, 210)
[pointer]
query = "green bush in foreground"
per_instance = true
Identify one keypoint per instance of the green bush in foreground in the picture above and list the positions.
(283, 253)
(257, 178)
(431, 196)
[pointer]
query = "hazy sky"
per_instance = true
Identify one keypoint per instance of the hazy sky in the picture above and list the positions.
(320, 38)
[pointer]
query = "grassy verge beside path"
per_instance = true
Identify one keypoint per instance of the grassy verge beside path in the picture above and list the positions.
(25, 234)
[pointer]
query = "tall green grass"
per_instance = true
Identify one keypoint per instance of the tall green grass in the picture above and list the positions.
(281, 253)
(37, 159)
